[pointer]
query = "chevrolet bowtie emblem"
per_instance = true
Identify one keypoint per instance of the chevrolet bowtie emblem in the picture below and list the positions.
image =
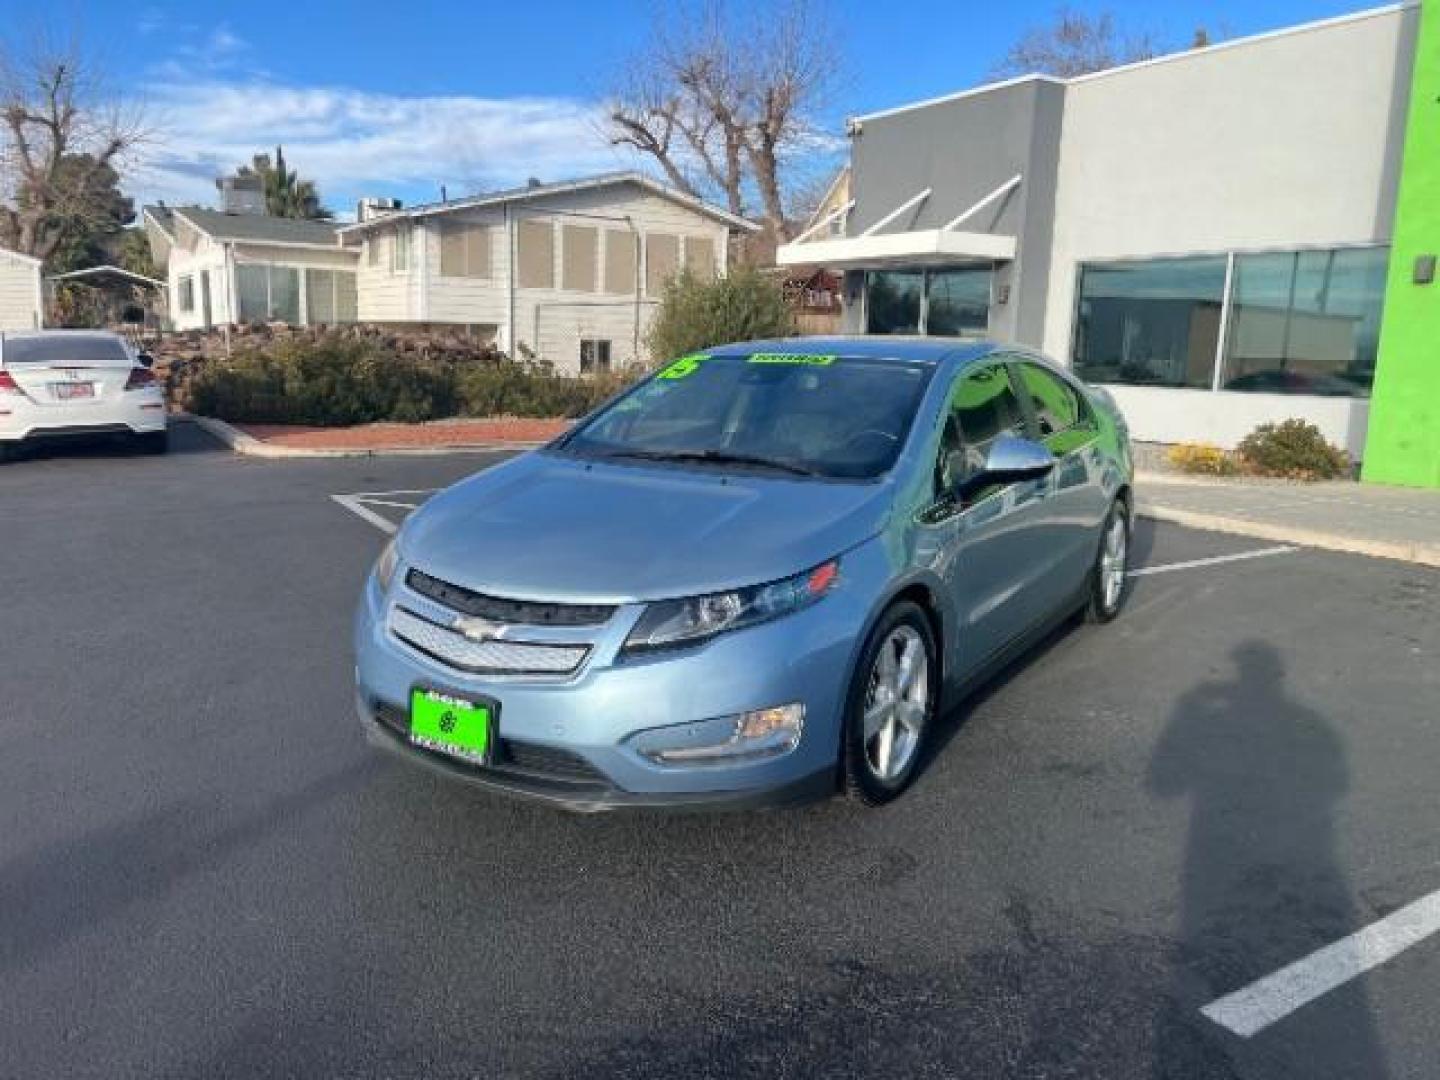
(477, 629)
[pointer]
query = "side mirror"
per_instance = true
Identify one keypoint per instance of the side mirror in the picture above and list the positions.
(145, 360)
(1011, 459)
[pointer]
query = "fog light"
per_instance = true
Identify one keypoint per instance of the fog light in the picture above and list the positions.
(751, 736)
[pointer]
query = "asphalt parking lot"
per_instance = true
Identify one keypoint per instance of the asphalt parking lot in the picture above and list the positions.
(207, 872)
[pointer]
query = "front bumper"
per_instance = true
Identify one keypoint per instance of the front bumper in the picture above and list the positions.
(565, 740)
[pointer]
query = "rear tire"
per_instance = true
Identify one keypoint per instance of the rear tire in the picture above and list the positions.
(153, 442)
(1112, 563)
(893, 701)
(7, 452)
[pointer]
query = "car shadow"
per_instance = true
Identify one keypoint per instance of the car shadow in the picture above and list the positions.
(185, 438)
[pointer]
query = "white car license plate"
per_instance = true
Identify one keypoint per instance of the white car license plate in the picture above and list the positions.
(68, 391)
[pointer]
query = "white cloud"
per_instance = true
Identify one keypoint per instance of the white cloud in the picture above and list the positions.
(353, 142)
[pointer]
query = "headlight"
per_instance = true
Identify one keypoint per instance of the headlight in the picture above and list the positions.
(386, 565)
(672, 623)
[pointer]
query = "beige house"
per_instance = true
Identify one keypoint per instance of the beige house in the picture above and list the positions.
(241, 266)
(22, 303)
(569, 273)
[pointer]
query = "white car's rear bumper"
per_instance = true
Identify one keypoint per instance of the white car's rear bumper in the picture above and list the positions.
(135, 411)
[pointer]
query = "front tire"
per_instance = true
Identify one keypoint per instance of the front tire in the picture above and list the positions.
(1112, 564)
(894, 697)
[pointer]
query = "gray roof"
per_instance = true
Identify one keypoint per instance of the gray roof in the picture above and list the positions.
(536, 191)
(250, 228)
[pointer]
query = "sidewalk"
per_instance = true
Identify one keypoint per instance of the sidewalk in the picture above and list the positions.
(1366, 519)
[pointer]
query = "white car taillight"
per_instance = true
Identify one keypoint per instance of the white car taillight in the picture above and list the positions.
(141, 379)
(8, 384)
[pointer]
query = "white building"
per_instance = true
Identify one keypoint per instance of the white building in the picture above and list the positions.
(22, 303)
(569, 273)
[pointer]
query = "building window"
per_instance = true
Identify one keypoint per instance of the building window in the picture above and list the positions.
(186, 299)
(946, 303)
(662, 261)
(536, 255)
(893, 301)
(594, 356)
(579, 257)
(400, 250)
(1299, 322)
(268, 293)
(464, 250)
(372, 251)
(1305, 322)
(619, 262)
(1150, 323)
(700, 257)
(329, 296)
(957, 302)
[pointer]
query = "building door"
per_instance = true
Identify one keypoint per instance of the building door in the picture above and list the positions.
(205, 298)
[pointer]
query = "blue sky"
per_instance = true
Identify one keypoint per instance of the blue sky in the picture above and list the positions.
(385, 97)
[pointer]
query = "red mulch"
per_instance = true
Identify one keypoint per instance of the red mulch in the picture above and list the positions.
(517, 430)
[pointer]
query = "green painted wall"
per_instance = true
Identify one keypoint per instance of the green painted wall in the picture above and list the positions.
(1403, 446)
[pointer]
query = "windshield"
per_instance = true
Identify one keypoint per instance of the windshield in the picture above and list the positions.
(829, 416)
(63, 349)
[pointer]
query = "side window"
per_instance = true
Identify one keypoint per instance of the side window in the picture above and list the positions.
(983, 406)
(1063, 420)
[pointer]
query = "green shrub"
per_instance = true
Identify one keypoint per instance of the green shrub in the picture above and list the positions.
(1294, 450)
(334, 381)
(695, 314)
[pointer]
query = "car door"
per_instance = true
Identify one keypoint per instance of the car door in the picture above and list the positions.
(1063, 421)
(984, 544)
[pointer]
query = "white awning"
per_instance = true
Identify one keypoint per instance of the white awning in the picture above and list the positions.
(926, 247)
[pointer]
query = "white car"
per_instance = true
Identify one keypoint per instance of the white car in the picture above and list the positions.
(56, 383)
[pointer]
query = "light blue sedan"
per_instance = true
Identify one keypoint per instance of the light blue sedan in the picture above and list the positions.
(755, 578)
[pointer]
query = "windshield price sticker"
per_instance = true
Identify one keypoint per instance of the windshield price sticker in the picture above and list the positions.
(686, 365)
(791, 358)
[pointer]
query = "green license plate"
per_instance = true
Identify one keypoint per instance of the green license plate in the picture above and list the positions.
(450, 725)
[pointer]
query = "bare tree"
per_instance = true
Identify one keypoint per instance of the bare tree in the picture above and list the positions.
(724, 102)
(1074, 43)
(63, 139)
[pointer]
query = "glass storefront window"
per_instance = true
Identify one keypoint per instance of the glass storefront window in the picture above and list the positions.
(892, 301)
(944, 303)
(958, 303)
(1150, 323)
(1306, 322)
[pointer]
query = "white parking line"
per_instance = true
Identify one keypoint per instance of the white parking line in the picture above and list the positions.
(353, 504)
(1276, 996)
(368, 501)
(1193, 564)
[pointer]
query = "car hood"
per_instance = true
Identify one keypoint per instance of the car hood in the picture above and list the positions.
(547, 527)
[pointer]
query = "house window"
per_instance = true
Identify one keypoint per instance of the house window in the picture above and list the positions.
(700, 257)
(268, 293)
(579, 257)
(662, 261)
(372, 251)
(620, 262)
(464, 250)
(329, 296)
(594, 355)
(535, 241)
(186, 298)
(400, 250)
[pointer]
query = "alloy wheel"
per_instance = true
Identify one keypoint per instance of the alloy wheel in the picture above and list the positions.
(1113, 561)
(896, 703)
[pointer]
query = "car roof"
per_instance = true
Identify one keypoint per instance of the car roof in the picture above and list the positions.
(930, 350)
(107, 334)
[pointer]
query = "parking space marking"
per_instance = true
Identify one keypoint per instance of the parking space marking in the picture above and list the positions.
(353, 504)
(1257, 1006)
(1194, 564)
(367, 501)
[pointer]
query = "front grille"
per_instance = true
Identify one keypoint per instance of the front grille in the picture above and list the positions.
(523, 760)
(494, 657)
(524, 612)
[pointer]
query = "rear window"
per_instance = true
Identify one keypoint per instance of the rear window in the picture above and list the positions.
(62, 349)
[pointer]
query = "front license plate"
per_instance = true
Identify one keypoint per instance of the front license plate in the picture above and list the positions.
(68, 391)
(450, 725)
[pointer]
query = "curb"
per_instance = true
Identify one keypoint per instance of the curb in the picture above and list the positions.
(249, 446)
(1424, 554)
